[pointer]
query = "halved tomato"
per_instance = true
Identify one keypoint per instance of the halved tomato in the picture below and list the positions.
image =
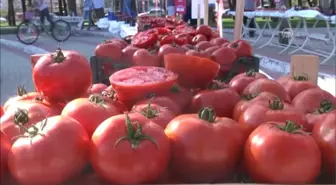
(138, 82)
(194, 72)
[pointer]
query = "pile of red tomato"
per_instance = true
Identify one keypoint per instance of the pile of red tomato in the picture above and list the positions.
(170, 123)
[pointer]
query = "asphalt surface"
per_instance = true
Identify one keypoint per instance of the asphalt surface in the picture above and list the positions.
(16, 69)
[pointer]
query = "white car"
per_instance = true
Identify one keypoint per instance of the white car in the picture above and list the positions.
(2, 19)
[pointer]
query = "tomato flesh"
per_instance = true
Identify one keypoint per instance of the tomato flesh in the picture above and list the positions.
(140, 81)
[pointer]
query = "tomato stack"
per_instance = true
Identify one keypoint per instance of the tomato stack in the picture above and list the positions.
(165, 123)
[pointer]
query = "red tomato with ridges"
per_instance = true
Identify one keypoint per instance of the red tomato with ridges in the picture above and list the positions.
(158, 114)
(60, 147)
(295, 85)
(22, 95)
(90, 112)
(145, 39)
(218, 41)
(267, 85)
(324, 133)
(225, 57)
(281, 153)
(162, 101)
(205, 148)
(310, 100)
(138, 82)
(97, 88)
(26, 114)
(138, 149)
(62, 76)
(169, 48)
(241, 47)
(249, 100)
(274, 110)
(204, 30)
(241, 81)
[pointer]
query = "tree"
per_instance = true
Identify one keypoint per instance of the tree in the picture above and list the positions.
(72, 6)
(11, 13)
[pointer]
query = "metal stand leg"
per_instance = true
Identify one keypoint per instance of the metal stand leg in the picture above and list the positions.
(292, 38)
(274, 32)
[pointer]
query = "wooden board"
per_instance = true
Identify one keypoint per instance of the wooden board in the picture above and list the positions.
(305, 65)
(239, 20)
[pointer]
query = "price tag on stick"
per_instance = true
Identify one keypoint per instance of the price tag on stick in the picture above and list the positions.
(305, 65)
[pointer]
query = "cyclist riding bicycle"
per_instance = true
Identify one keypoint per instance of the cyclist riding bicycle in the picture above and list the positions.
(43, 9)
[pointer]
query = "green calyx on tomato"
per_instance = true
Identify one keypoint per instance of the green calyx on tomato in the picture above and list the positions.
(207, 114)
(97, 99)
(325, 107)
(301, 78)
(249, 97)
(290, 127)
(110, 94)
(276, 104)
(59, 57)
(149, 112)
(134, 136)
(175, 89)
(250, 73)
(32, 131)
(215, 85)
(21, 90)
(21, 117)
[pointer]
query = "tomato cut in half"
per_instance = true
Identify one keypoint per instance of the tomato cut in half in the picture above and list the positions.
(193, 71)
(145, 39)
(138, 82)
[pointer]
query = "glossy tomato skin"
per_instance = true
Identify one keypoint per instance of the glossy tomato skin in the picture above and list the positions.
(294, 87)
(194, 72)
(183, 38)
(198, 38)
(198, 53)
(211, 98)
(262, 112)
(162, 101)
(203, 45)
(225, 57)
(145, 39)
(23, 97)
(160, 80)
(241, 81)
(90, 112)
(168, 48)
(309, 100)
(243, 104)
(117, 163)
(144, 58)
(267, 85)
(127, 53)
(212, 49)
(97, 88)
(28, 113)
(5, 148)
(218, 41)
(63, 140)
(162, 116)
(204, 30)
(242, 48)
(168, 39)
(180, 96)
(272, 155)
(210, 157)
(110, 49)
(317, 117)
(324, 133)
(63, 81)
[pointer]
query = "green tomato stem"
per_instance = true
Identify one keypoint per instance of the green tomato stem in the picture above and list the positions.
(290, 127)
(207, 114)
(276, 104)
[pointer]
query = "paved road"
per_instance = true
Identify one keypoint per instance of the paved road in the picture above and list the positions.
(16, 69)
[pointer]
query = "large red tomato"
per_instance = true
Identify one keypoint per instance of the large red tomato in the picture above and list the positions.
(249, 100)
(241, 47)
(281, 153)
(310, 100)
(320, 114)
(5, 148)
(25, 114)
(203, 45)
(180, 96)
(62, 76)
(60, 147)
(267, 85)
(274, 110)
(138, 82)
(127, 54)
(204, 30)
(194, 72)
(169, 48)
(97, 88)
(205, 148)
(218, 41)
(212, 49)
(22, 95)
(143, 57)
(241, 81)
(162, 101)
(211, 98)
(225, 57)
(158, 114)
(129, 150)
(324, 133)
(198, 38)
(109, 49)
(90, 112)
(295, 85)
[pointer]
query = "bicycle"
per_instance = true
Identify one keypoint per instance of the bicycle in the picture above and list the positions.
(60, 29)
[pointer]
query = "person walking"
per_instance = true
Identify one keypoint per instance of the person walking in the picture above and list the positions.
(87, 7)
(250, 5)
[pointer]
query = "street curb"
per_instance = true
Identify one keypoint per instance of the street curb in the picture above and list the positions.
(324, 80)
